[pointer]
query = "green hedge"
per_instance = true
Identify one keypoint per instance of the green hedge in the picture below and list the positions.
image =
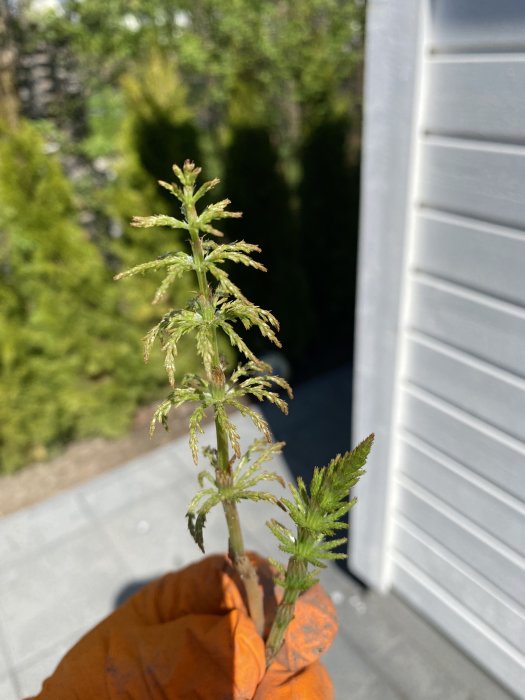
(70, 357)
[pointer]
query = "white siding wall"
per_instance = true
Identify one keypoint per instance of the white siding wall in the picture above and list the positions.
(452, 432)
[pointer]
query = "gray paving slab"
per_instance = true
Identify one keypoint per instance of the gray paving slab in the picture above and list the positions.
(131, 483)
(32, 528)
(63, 590)
(353, 671)
(6, 661)
(7, 689)
(431, 644)
(354, 678)
(354, 675)
(32, 673)
(151, 534)
(405, 653)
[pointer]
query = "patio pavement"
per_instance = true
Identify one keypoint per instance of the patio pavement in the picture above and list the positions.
(66, 561)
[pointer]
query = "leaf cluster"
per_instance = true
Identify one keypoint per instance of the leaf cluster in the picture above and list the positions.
(217, 307)
(232, 395)
(317, 513)
(234, 487)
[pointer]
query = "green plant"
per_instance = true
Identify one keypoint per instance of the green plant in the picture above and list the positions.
(255, 59)
(66, 350)
(216, 306)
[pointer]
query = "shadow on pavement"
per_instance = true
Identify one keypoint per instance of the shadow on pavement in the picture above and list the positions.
(318, 424)
(129, 590)
(317, 428)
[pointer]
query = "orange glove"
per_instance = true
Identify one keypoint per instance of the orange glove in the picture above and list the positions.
(188, 636)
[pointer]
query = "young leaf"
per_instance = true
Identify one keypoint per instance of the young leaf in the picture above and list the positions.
(316, 513)
(157, 220)
(195, 425)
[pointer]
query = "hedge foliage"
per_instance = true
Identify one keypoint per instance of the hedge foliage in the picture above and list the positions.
(69, 362)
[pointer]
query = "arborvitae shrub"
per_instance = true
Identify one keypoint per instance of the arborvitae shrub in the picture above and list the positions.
(66, 352)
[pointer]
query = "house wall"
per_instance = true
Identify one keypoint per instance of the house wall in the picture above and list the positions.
(440, 370)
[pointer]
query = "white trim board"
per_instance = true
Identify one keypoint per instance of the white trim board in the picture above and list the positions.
(394, 52)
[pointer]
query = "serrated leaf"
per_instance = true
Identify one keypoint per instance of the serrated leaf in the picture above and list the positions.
(279, 567)
(250, 369)
(207, 228)
(197, 514)
(205, 345)
(236, 340)
(229, 427)
(281, 532)
(170, 353)
(158, 264)
(195, 426)
(206, 187)
(257, 387)
(173, 188)
(196, 528)
(173, 273)
(160, 416)
(257, 420)
(216, 211)
(264, 451)
(205, 475)
(254, 476)
(157, 220)
(316, 513)
(238, 252)
(228, 287)
(211, 454)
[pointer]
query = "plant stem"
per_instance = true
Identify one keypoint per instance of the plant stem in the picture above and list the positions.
(236, 550)
(285, 612)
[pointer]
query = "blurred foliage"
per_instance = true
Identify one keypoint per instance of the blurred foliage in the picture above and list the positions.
(263, 92)
(161, 128)
(66, 351)
(293, 64)
(155, 122)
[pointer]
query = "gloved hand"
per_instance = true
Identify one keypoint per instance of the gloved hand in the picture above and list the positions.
(188, 636)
